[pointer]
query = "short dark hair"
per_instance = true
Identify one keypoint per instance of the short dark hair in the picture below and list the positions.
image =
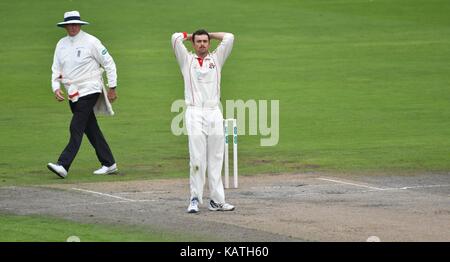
(200, 32)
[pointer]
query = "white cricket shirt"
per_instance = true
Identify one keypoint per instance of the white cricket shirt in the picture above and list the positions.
(202, 76)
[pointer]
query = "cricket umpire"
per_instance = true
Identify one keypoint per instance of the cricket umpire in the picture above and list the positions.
(78, 64)
(204, 121)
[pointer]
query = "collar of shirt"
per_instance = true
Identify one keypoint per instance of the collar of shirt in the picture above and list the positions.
(75, 38)
(200, 60)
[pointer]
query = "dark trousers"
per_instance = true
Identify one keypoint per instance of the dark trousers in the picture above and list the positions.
(85, 122)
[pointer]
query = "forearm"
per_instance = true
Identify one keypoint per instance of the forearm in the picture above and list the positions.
(217, 35)
(56, 74)
(107, 62)
(111, 74)
(55, 82)
(223, 50)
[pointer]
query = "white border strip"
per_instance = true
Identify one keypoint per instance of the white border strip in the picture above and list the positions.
(109, 203)
(382, 189)
(143, 192)
(103, 194)
(348, 183)
(413, 187)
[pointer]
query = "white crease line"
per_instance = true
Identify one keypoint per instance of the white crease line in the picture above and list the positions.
(143, 192)
(8, 187)
(412, 187)
(348, 183)
(110, 202)
(381, 189)
(347, 193)
(103, 194)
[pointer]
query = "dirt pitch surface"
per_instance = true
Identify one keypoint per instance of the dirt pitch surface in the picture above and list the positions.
(286, 207)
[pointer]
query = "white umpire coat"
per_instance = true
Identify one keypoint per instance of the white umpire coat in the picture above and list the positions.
(78, 63)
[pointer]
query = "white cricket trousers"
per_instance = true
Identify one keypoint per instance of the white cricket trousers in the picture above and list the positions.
(206, 145)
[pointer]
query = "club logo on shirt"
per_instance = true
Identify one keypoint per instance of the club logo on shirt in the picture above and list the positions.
(104, 51)
(212, 66)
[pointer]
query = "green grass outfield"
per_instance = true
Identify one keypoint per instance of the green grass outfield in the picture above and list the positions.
(44, 229)
(363, 85)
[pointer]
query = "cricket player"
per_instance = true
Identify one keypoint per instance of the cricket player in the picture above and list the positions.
(204, 121)
(78, 64)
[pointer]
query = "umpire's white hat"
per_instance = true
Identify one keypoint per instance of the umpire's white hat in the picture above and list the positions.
(72, 17)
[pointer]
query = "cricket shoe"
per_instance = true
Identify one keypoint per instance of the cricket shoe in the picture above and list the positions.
(193, 206)
(104, 170)
(213, 206)
(57, 169)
